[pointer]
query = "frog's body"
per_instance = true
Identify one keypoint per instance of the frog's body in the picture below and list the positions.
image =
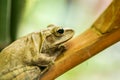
(23, 58)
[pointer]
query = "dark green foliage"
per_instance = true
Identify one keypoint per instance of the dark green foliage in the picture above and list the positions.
(17, 9)
(5, 7)
(10, 15)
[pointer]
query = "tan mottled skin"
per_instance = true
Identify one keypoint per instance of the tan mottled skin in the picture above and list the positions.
(23, 59)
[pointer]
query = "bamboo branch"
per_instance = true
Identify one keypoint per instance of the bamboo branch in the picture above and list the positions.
(110, 19)
(87, 44)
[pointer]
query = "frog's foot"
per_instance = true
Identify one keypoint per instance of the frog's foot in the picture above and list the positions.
(62, 47)
(23, 73)
(46, 68)
(32, 74)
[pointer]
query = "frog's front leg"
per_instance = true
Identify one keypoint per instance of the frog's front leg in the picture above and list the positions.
(22, 73)
(61, 48)
(43, 59)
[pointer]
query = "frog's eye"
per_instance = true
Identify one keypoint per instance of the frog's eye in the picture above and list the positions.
(60, 31)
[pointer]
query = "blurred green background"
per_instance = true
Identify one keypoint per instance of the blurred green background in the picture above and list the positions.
(20, 17)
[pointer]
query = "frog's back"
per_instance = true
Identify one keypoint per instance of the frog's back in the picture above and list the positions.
(12, 64)
(13, 55)
(8, 56)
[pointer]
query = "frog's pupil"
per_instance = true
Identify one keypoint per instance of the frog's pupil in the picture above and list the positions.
(61, 31)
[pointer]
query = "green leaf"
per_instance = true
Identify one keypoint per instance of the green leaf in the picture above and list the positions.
(5, 6)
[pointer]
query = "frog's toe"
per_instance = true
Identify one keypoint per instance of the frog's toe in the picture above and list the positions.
(62, 47)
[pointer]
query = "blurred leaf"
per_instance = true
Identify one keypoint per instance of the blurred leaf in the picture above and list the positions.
(17, 9)
(5, 6)
(10, 14)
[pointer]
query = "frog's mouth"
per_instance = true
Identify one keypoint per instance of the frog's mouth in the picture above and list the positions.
(68, 34)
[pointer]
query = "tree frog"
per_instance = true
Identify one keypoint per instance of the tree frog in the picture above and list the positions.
(30, 56)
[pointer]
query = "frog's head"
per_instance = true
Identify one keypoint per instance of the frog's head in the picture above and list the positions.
(55, 36)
